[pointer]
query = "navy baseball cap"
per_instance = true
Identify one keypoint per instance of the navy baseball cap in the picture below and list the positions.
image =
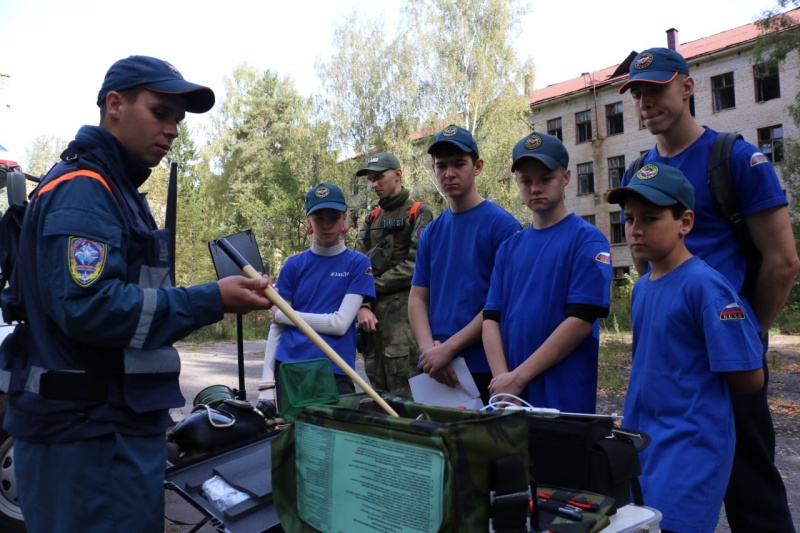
(545, 148)
(655, 65)
(325, 196)
(158, 76)
(659, 184)
(457, 136)
(378, 163)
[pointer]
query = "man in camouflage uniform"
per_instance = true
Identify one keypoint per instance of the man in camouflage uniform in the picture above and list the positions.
(389, 238)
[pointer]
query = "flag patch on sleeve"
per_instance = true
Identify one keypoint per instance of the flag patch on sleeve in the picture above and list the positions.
(758, 158)
(732, 311)
(603, 257)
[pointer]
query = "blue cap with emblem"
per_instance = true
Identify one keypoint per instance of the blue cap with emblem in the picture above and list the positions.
(158, 76)
(458, 137)
(659, 184)
(325, 196)
(655, 65)
(545, 148)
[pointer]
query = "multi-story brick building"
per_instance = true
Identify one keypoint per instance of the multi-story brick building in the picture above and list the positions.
(600, 128)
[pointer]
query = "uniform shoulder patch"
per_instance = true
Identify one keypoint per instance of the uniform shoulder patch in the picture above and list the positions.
(603, 257)
(758, 158)
(86, 260)
(732, 311)
(368, 271)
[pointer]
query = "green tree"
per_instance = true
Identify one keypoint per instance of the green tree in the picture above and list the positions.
(368, 97)
(193, 261)
(266, 153)
(469, 73)
(451, 61)
(43, 153)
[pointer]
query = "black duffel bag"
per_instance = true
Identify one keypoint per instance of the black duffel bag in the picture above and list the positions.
(586, 452)
(208, 429)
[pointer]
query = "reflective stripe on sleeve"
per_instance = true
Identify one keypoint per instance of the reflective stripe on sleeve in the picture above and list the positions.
(149, 302)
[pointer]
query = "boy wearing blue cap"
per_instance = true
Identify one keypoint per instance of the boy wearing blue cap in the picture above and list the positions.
(326, 286)
(92, 373)
(550, 284)
(694, 345)
(455, 257)
(661, 87)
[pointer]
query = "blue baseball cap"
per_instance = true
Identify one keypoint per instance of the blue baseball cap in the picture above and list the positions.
(457, 136)
(158, 76)
(659, 184)
(655, 65)
(545, 148)
(325, 196)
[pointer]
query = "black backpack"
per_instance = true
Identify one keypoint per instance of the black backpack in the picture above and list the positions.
(721, 187)
(10, 229)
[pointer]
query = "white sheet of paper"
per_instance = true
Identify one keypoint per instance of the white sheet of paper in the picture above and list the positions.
(428, 391)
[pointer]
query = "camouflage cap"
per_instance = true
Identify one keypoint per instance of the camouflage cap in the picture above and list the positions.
(378, 163)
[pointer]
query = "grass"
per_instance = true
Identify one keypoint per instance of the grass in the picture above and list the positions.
(255, 326)
(615, 362)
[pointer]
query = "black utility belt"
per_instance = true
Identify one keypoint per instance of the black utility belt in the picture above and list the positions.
(74, 386)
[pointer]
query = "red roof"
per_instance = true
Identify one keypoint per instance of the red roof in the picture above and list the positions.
(691, 51)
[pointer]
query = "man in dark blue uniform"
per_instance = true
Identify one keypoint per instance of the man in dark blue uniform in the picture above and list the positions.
(91, 375)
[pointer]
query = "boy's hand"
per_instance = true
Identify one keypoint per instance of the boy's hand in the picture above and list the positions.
(446, 376)
(507, 383)
(367, 320)
(435, 358)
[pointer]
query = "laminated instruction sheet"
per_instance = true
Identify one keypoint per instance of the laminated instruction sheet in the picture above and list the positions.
(348, 482)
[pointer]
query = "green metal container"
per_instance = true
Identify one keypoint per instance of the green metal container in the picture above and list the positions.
(214, 395)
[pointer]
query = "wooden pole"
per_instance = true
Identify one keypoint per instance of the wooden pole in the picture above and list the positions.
(303, 326)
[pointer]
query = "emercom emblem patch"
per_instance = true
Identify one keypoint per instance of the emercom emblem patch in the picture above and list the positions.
(86, 260)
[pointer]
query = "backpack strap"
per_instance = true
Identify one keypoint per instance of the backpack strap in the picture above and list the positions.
(375, 214)
(720, 185)
(635, 166)
(510, 496)
(412, 213)
(719, 179)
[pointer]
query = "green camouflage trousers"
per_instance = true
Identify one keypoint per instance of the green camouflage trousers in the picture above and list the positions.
(390, 357)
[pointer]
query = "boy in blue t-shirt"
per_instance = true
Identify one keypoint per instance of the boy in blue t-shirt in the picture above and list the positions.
(694, 344)
(455, 257)
(550, 284)
(326, 286)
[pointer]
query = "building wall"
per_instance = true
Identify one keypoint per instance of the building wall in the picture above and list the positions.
(746, 118)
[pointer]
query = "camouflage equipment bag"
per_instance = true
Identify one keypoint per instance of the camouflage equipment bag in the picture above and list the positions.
(351, 467)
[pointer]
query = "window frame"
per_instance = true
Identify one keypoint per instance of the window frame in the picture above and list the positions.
(760, 78)
(614, 115)
(617, 231)
(621, 169)
(585, 179)
(583, 126)
(775, 151)
(723, 92)
(556, 131)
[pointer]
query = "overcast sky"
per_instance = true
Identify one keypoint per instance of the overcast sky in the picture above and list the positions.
(57, 52)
